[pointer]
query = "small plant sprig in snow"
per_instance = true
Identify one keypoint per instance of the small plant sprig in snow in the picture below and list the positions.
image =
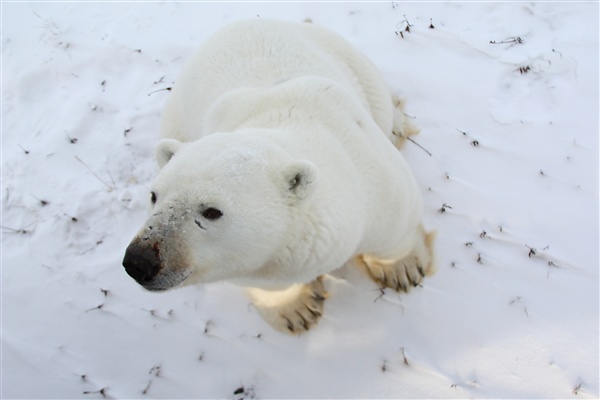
(513, 40)
(403, 26)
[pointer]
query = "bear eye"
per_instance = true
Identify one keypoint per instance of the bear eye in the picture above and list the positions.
(212, 213)
(153, 197)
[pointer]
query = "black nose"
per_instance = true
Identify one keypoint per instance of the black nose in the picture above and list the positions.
(142, 263)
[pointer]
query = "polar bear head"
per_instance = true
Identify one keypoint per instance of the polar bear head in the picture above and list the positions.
(221, 208)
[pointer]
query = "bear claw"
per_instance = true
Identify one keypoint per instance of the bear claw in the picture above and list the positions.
(294, 310)
(399, 275)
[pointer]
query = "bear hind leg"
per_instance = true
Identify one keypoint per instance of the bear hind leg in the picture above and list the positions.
(402, 127)
(407, 272)
(293, 310)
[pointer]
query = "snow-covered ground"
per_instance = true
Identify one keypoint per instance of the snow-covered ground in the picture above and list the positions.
(506, 96)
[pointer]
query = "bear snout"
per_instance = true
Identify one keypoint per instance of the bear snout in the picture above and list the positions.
(142, 262)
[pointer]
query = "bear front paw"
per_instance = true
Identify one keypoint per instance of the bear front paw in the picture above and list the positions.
(398, 275)
(294, 310)
(408, 271)
(303, 314)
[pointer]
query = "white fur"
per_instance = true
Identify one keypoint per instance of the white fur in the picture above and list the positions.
(287, 131)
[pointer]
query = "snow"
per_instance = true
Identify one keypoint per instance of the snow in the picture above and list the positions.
(512, 128)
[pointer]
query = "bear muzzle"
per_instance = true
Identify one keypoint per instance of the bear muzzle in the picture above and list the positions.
(142, 263)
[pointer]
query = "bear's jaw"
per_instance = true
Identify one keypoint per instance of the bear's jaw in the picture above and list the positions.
(155, 289)
(166, 280)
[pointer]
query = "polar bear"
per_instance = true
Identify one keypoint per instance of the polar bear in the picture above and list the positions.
(278, 165)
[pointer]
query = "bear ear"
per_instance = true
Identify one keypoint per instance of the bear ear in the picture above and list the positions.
(299, 178)
(165, 149)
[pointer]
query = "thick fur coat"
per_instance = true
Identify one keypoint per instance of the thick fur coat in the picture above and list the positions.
(278, 165)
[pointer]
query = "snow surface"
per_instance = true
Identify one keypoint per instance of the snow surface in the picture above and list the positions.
(512, 128)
